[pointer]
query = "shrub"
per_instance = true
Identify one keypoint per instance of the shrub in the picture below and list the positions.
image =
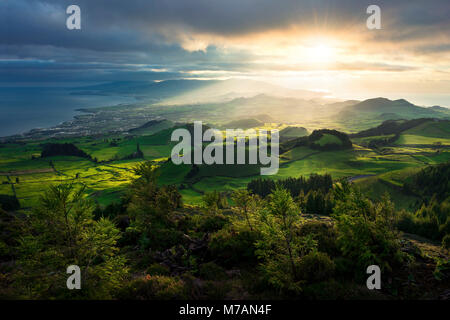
(315, 266)
(444, 229)
(366, 232)
(211, 271)
(210, 222)
(446, 242)
(233, 246)
(325, 290)
(213, 201)
(324, 233)
(214, 290)
(154, 288)
(344, 267)
(157, 269)
(161, 239)
(368, 243)
(424, 226)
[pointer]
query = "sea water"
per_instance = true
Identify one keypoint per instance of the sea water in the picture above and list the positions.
(26, 108)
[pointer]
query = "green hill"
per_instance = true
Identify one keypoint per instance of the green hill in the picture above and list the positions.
(371, 112)
(293, 132)
(429, 132)
(432, 128)
(243, 124)
(328, 139)
(406, 132)
(323, 139)
(393, 127)
(152, 127)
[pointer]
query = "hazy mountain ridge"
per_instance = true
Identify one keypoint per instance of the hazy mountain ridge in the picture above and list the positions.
(256, 100)
(400, 107)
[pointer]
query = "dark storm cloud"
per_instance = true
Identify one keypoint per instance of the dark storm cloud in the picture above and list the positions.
(117, 32)
(121, 19)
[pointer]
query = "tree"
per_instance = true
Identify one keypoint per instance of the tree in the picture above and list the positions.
(366, 231)
(246, 205)
(62, 232)
(280, 248)
(213, 201)
(151, 208)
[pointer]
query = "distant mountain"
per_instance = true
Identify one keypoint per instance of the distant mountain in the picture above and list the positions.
(439, 109)
(264, 118)
(342, 104)
(185, 91)
(156, 91)
(243, 124)
(426, 126)
(280, 109)
(228, 90)
(396, 108)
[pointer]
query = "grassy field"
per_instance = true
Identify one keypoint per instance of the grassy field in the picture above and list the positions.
(412, 139)
(328, 139)
(25, 174)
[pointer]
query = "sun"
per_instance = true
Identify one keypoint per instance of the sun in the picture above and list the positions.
(321, 53)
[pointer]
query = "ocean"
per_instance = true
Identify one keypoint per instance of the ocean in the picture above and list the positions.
(26, 108)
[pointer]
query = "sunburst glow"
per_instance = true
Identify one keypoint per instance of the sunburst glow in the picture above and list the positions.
(321, 53)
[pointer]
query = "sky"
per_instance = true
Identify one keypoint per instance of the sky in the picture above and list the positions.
(315, 45)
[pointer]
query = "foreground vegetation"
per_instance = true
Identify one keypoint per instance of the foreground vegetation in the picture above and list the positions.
(140, 227)
(152, 246)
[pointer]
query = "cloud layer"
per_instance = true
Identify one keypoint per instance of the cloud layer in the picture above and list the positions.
(158, 40)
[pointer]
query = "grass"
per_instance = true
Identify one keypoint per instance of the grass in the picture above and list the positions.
(376, 187)
(99, 179)
(412, 139)
(366, 140)
(431, 129)
(328, 139)
(296, 154)
(105, 181)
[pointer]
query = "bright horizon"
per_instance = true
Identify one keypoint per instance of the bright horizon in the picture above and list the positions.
(318, 46)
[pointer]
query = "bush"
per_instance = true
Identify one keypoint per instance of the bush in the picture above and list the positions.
(344, 267)
(324, 233)
(424, 226)
(446, 242)
(232, 246)
(444, 229)
(366, 232)
(157, 269)
(214, 290)
(315, 266)
(325, 290)
(161, 239)
(210, 222)
(368, 242)
(211, 271)
(154, 288)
